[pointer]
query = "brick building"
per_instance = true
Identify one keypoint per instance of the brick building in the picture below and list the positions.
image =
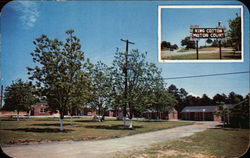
(200, 113)
(173, 114)
(40, 109)
(7, 114)
(166, 115)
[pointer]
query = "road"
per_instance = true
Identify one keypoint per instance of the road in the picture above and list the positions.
(103, 148)
(166, 54)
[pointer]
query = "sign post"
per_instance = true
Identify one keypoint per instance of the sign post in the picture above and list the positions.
(197, 50)
(219, 40)
(220, 48)
(198, 33)
(192, 27)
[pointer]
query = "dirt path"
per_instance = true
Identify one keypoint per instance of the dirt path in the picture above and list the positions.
(103, 148)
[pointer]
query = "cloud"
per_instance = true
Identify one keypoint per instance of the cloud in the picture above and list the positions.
(28, 12)
(193, 94)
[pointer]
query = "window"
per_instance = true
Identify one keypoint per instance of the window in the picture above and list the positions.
(42, 110)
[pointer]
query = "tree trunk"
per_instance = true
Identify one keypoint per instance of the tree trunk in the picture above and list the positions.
(124, 121)
(124, 117)
(17, 115)
(29, 113)
(130, 117)
(61, 121)
(157, 114)
(238, 46)
(71, 120)
(224, 118)
(130, 123)
(99, 111)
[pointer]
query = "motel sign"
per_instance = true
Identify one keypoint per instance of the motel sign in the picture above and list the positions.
(208, 33)
(198, 33)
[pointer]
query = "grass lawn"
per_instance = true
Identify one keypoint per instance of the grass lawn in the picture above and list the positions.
(200, 49)
(206, 56)
(212, 143)
(47, 129)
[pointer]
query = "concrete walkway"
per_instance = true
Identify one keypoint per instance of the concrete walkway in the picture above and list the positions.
(103, 148)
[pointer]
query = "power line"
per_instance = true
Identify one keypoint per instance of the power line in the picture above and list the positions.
(208, 75)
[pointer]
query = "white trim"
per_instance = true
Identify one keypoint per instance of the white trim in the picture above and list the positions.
(201, 6)
(200, 60)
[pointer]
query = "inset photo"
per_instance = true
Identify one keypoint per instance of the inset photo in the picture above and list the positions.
(200, 33)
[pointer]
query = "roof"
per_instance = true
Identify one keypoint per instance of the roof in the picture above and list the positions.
(42, 103)
(199, 109)
(171, 110)
(229, 106)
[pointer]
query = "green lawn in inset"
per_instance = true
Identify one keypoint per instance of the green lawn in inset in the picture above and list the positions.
(205, 56)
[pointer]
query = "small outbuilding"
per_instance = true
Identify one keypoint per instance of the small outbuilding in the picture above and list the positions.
(173, 114)
(165, 115)
(40, 109)
(200, 113)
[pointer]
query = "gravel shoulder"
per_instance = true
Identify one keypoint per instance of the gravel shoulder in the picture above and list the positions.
(104, 148)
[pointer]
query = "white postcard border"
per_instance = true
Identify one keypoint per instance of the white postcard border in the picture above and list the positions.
(160, 7)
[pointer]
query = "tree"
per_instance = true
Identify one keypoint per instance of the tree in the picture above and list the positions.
(205, 100)
(174, 46)
(215, 43)
(165, 45)
(239, 114)
(235, 32)
(227, 43)
(180, 95)
(209, 41)
(161, 100)
(141, 76)
(101, 87)
(234, 98)
(221, 111)
(190, 44)
(59, 67)
(19, 96)
(80, 91)
(218, 98)
(173, 90)
(192, 101)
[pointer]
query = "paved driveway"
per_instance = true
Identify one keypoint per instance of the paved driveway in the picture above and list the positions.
(103, 148)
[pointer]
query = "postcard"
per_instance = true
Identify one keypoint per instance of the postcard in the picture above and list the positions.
(124, 79)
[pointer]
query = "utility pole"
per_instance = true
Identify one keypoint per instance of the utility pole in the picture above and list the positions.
(125, 71)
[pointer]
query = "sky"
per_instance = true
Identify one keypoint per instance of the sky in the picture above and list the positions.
(176, 21)
(100, 26)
